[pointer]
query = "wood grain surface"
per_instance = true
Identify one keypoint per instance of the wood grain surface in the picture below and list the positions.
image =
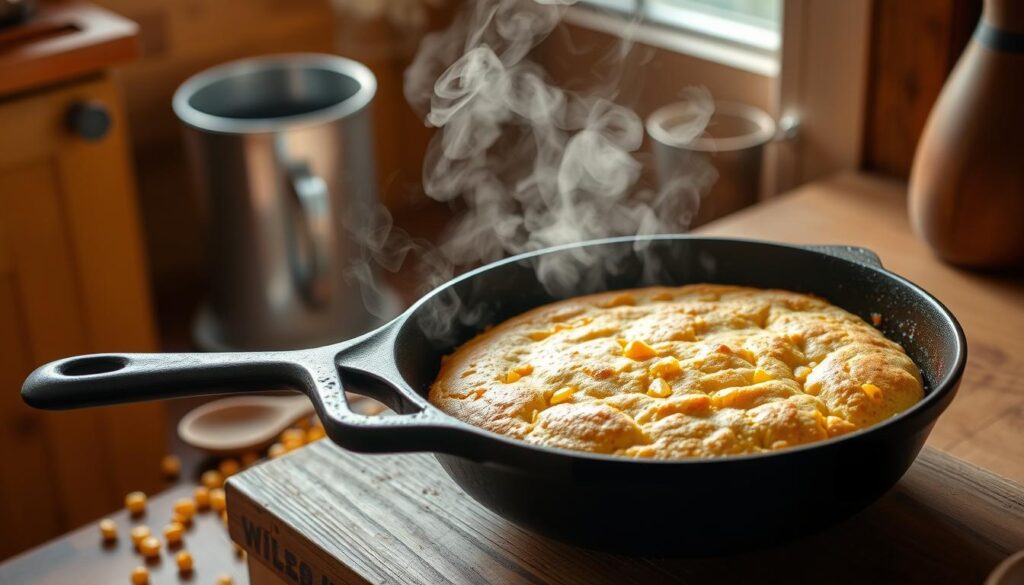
(64, 40)
(985, 423)
(322, 512)
(81, 558)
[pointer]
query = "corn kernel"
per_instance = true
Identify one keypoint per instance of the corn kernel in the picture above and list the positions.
(181, 519)
(512, 376)
(873, 392)
(620, 300)
(140, 576)
(722, 348)
(185, 507)
(638, 350)
(201, 496)
(662, 296)
(563, 395)
(170, 466)
(225, 580)
(251, 457)
(136, 503)
(150, 547)
(229, 467)
(173, 533)
(539, 335)
(211, 479)
(747, 355)
(184, 561)
(139, 533)
(303, 423)
(218, 501)
(761, 376)
(666, 367)
(292, 439)
(239, 551)
(276, 450)
(524, 370)
(801, 373)
(108, 530)
(315, 433)
(659, 388)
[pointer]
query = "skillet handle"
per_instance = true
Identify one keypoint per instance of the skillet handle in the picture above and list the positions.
(101, 379)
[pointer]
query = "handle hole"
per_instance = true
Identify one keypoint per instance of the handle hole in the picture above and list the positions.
(93, 365)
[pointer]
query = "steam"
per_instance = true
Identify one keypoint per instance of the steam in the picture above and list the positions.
(535, 165)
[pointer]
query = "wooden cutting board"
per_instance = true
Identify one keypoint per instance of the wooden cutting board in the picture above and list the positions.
(322, 516)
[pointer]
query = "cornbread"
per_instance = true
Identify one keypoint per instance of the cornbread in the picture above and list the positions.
(694, 371)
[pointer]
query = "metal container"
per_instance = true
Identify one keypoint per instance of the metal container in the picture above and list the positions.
(282, 150)
(733, 142)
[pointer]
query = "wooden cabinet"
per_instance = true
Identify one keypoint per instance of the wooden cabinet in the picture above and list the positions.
(72, 280)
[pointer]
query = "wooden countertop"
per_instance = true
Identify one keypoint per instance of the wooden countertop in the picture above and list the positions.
(985, 423)
(62, 41)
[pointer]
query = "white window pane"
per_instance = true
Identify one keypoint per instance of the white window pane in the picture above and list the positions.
(753, 23)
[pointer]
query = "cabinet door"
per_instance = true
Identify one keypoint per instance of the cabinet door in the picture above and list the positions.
(72, 281)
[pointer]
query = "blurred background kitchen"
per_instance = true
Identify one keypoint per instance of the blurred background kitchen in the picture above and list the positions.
(102, 216)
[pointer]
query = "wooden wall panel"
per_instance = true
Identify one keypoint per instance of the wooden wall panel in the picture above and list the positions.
(914, 46)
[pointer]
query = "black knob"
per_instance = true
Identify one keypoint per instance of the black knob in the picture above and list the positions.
(89, 119)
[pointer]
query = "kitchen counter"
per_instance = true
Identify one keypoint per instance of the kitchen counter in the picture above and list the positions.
(984, 425)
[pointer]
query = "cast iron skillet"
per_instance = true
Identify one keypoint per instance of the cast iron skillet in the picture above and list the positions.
(680, 508)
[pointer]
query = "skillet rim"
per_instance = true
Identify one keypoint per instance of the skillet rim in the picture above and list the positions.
(943, 388)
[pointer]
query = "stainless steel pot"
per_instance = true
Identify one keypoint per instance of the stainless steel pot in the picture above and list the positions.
(733, 142)
(282, 150)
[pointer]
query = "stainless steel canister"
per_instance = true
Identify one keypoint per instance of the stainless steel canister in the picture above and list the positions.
(733, 141)
(282, 148)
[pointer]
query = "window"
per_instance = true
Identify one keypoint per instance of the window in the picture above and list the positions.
(751, 23)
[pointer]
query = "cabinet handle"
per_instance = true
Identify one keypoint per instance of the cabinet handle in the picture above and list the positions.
(89, 119)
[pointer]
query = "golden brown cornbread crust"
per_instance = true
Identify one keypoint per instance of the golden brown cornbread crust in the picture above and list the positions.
(737, 370)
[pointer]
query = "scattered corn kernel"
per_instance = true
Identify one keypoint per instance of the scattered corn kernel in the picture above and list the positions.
(225, 580)
(201, 496)
(659, 388)
(638, 350)
(229, 467)
(181, 519)
(662, 296)
(136, 503)
(239, 551)
(185, 507)
(276, 450)
(761, 376)
(315, 433)
(218, 501)
(539, 335)
(139, 533)
(251, 457)
(722, 348)
(140, 576)
(150, 547)
(747, 355)
(108, 530)
(211, 479)
(303, 423)
(873, 392)
(876, 319)
(666, 367)
(170, 466)
(563, 395)
(512, 376)
(801, 373)
(184, 561)
(173, 533)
